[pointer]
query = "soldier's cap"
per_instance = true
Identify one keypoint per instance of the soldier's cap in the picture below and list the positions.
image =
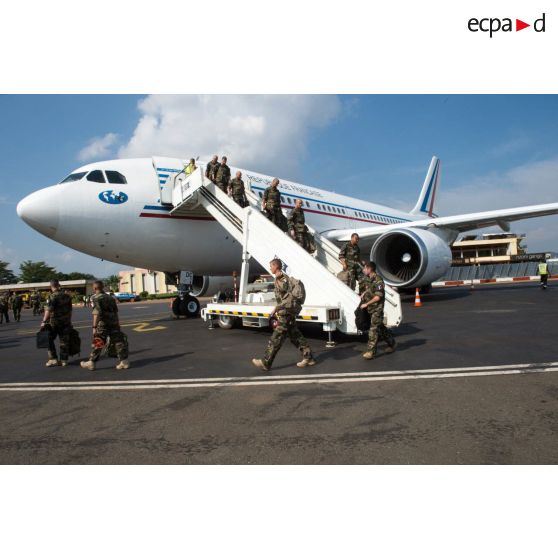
(54, 283)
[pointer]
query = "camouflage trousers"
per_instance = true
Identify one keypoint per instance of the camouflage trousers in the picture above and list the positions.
(300, 237)
(223, 186)
(63, 333)
(378, 331)
(116, 336)
(351, 277)
(240, 200)
(36, 309)
(286, 326)
(275, 216)
(17, 314)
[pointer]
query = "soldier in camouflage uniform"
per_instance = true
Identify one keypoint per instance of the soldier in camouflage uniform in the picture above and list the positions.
(297, 226)
(271, 203)
(373, 300)
(58, 315)
(17, 305)
(223, 175)
(4, 308)
(211, 168)
(286, 312)
(349, 256)
(35, 302)
(105, 325)
(237, 191)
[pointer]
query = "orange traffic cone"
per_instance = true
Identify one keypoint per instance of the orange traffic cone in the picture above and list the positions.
(417, 298)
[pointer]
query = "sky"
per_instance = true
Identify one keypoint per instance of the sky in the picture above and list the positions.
(497, 151)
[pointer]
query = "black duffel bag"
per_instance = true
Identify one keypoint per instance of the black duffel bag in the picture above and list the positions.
(75, 343)
(43, 337)
(362, 319)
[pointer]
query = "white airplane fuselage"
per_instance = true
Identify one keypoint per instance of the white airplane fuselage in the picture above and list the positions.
(141, 232)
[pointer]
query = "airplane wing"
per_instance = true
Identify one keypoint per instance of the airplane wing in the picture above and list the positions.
(459, 223)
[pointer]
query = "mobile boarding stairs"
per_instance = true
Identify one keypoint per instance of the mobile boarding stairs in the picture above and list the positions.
(329, 301)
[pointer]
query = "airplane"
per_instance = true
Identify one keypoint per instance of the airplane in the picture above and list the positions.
(119, 210)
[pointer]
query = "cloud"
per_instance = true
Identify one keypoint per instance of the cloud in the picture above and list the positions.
(98, 148)
(268, 133)
(528, 184)
(6, 253)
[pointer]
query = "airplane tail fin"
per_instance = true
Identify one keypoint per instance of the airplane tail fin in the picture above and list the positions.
(425, 204)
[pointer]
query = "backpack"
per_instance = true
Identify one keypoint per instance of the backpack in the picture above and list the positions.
(298, 293)
(74, 347)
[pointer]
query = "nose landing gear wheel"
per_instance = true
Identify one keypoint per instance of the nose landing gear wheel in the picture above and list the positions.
(187, 306)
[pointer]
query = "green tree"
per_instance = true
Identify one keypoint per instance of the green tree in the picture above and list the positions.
(112, 282)
(36, 272)
(74, 275)
(7, 276)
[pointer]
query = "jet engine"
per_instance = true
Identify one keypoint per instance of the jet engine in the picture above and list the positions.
(411, 257)
(206, 285)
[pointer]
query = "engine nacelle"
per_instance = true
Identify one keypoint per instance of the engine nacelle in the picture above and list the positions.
(411, 257)
(205, 285)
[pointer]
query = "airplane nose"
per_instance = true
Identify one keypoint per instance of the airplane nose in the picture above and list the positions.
(40, 211)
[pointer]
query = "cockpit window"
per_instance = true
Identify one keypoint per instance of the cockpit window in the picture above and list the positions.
(74, 177)
(96, 176)
(114, 177)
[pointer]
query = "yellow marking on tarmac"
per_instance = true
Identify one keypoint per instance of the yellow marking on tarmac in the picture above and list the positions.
(144, 326)
(145, 322)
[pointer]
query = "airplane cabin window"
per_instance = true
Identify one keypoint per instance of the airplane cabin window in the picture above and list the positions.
(282, 199)
(260, 194)
(96, 176)
(289, 200)
(307, 204)
(114, 177)
(74, 177)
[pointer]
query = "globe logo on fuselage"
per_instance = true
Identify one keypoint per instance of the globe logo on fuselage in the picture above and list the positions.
(112, 197)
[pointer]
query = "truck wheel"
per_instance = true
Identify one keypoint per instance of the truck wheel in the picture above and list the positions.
(226, 322)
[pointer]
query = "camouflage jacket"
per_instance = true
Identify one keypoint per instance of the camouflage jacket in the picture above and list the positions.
(223, 174)
(17, 302)
(296, 220)
(211, 169)
(59, 306)
(237, 188)
(105, 307)
(282, 293)
(374, 287)
(351, 254)
(3, 303)
(272, 198)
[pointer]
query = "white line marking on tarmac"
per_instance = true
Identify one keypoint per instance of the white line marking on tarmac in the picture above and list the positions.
(286, 380)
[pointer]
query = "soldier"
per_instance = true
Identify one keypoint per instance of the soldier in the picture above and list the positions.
(349, 256)
(286, 311)
(58, 315)
(237, 191)
(211, 168)
(271, 203)
(373, 300)
(297, 227)
(223, 175)
(106, 324)
(17, 305)
(35, 302)
(4, 308)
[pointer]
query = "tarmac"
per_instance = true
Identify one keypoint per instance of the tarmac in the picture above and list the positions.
(474, 379)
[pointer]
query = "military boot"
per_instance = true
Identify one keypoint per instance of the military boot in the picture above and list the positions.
(52, 362)
(64, 363)
(306, 362)
(368, 355)
(391, 348)
(259, 363)
(123, 365)
(88, 365)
